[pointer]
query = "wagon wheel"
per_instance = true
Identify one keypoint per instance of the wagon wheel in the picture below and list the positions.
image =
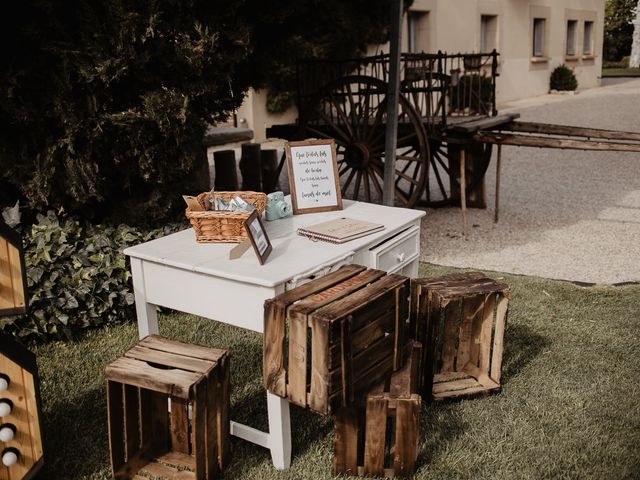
(352, 110)
(443, 186)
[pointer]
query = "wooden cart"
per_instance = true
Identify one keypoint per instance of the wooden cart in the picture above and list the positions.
(447, 116)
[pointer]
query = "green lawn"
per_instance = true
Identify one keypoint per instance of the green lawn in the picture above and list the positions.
(621, 72)
(569, 407)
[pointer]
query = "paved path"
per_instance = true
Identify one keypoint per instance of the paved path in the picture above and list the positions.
(569, 215)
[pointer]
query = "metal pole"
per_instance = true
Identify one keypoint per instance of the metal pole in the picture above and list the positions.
(393, 96)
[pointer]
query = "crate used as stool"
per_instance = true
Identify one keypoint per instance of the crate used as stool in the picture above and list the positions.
(144, 437)
(345, 334)
(460, 319)
(380, 435)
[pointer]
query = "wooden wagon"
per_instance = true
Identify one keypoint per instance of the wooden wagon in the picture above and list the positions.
(447, 117)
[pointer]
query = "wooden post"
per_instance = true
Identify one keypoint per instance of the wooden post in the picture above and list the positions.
(269, 170)
(393, 96)
(225, 168)
(463, 192)
(497, 199)
(250, 167)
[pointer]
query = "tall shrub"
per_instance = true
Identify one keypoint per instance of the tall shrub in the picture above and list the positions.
(103, 104)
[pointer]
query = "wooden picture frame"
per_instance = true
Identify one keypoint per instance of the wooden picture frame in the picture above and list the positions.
(258, 236)
(313, 179)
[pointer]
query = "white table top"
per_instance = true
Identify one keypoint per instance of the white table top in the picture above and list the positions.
(292, 254)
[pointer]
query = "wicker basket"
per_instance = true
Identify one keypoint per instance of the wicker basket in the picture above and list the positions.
(216, 226)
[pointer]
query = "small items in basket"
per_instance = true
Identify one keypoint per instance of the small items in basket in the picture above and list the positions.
(224, 225)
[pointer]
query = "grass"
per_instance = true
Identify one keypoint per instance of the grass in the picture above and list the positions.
(569, 407)
(621, 72)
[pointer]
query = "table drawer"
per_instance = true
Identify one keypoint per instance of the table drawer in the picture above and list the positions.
(398, 251)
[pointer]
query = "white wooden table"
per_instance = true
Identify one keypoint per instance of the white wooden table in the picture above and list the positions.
(178, 273)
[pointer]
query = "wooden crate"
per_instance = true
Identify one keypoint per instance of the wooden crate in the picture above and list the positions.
(380, 435)
(144, 437)
(460, 319)
(345, 334)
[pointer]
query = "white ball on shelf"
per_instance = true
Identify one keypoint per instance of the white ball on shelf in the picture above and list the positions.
(9, 458)
(5, 409)
(6, 434)
(4, 385)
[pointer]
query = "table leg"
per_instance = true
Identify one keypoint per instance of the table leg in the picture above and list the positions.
(279, 431)
(145, 312)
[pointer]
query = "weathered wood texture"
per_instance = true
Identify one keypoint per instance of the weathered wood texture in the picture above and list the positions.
(13, 293)
(506, 138)
(226, 177)
(143, 436)
(379, 436)
(460, 319)
(269, 160)
(345, 335)
(251, 167)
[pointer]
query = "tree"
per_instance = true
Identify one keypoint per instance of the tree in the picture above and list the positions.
(104, 104)
(618, 28)
(634, 61)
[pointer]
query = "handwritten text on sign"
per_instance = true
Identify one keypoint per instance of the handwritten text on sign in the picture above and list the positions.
(314, 176)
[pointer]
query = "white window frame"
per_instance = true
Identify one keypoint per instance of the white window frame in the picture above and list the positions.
(488, 28)
(539, 31)
(570, 49)
(587, 41)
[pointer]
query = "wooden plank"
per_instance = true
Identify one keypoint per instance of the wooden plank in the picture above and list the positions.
(455, 385)
(468, 392)
(451, 320)
(165, 472)
(498, 338)
(336, 292)
(320, 376)
(297, 361)
(428, 355)
(485, 333)
(484, 122)
(274, 374)
(548, 142)
(346, 361)
(449, 376)
(317, 285)
(133, 372)
(364, 296)
(179, 424)
(345, 441)
(211, 430)
(376, 425)
(6, 282)
(167, 345)
(545, 128)
(399, 325)
(167, 359)
(224, 403)
(15, 264)
(33, 414)
(406, 436)
(178, 459)
(199, 409)
(154, 423)
(467, 349)
(131, 425)
(115, 413)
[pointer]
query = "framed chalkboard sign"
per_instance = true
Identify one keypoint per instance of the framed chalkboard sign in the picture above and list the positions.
(313, 176)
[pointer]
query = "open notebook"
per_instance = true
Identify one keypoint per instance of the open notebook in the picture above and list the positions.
(340, 230)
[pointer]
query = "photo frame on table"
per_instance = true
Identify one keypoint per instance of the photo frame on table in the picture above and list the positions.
(313, 176)
(258, 236)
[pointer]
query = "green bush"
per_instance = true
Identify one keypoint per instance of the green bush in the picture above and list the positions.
(77, 276)
(562, 78)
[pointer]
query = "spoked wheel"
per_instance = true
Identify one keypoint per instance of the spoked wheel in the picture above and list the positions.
(443, 186)
(352, 110)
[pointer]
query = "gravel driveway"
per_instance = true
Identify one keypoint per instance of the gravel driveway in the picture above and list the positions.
(564, 214)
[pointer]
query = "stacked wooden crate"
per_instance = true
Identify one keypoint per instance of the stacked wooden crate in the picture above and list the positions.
(345, 335)
(333, 345)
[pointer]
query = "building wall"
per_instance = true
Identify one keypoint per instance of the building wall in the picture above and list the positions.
(455, 26)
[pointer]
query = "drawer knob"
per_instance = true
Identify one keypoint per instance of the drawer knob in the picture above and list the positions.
(400, 257)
